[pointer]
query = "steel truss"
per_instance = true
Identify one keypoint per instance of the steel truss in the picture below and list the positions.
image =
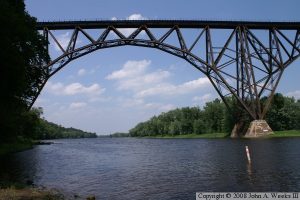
(244, 66)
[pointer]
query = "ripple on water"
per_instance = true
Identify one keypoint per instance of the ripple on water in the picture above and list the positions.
(131, 168)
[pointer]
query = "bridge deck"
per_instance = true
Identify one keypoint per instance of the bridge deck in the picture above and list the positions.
(56, 25)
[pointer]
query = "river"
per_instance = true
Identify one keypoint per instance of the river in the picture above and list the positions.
(134, 168)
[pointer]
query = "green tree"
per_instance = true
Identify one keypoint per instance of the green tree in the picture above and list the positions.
(284, 113)
(214, 115)
(22, 54)
(199, 126)
(174, 128)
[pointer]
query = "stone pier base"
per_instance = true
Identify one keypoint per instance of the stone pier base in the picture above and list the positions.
(258, 128)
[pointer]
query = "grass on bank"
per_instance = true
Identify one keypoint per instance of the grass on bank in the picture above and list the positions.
(206, 135)
(277, 134)
(14, 147)
(29, 193)
(289, 133)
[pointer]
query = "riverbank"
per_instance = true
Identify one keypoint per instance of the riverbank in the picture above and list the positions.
(281, 134)
(21, 145)
(29, 193)
(14, 147)
(191, 136)
(33, 193)
(277, 134)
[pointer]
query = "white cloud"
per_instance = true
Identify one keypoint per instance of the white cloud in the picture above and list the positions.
(167, 107)
(170, 89)
(136, 16)
(76, 105)
(194, 84)
(77, 88)
(160, 107)
(130, 69)
(204, 98)
(81, 72)
(74, 89)
(295, 94)
(55, 88)
(133, 76)
(143, 81)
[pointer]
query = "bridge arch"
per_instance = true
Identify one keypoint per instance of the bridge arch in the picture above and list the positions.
(242, 84)
(70, 53)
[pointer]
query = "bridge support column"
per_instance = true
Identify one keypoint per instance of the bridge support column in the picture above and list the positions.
(258, 128)
(238, 130)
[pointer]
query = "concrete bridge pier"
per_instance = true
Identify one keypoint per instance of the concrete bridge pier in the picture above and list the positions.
(256, 129)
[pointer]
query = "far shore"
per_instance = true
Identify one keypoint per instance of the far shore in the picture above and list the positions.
(27, 144)
(277, 134)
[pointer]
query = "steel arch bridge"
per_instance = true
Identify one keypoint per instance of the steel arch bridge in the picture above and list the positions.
(247, 64)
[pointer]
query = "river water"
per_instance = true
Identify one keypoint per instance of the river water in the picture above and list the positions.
(133, 168)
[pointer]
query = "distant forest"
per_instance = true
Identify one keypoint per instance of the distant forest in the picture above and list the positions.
(49, 130)
(284, 114)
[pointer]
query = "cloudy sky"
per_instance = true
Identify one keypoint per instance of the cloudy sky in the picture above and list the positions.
(114, 89)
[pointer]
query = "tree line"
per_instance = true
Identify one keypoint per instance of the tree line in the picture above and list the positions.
(49, 130)
(284, 114)
(23, 54)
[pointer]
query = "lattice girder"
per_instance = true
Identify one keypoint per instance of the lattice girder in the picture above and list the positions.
(243, 66)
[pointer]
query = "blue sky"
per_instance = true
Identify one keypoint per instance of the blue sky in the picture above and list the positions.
(113, 89)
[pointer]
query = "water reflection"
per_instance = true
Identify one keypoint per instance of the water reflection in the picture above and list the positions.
(20, 168)
(249, 171)
(129, 168)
